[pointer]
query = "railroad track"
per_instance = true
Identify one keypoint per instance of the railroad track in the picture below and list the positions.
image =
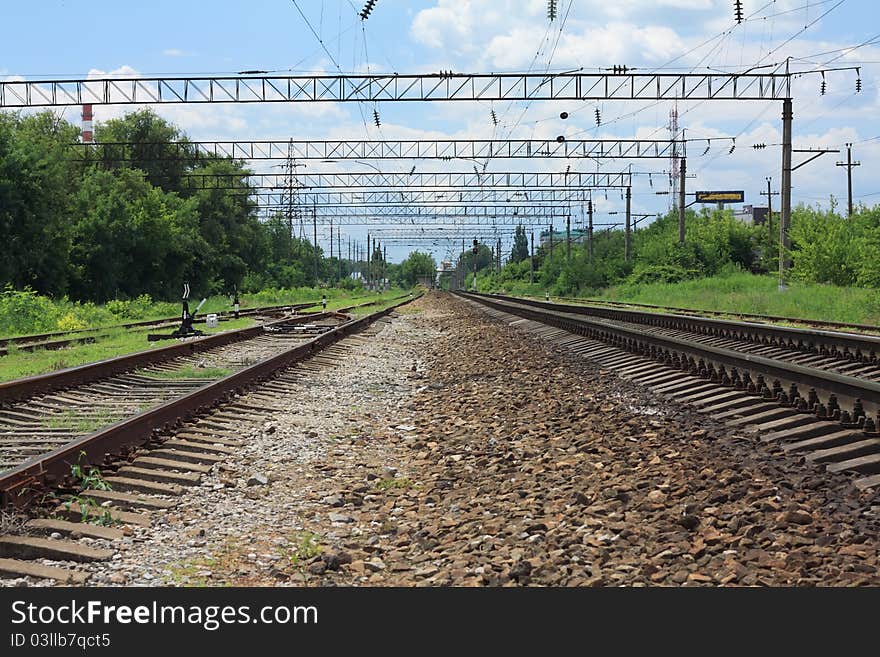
(148, 460)
(817, 323)
(61, 339)
(814, 392)
(44, 412)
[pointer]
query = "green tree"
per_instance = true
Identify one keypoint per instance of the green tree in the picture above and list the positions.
(520, 250)
(417, 265)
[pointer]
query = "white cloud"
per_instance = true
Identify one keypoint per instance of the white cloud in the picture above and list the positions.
(177, 52)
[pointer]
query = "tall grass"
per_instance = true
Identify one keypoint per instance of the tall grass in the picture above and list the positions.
(747, 293)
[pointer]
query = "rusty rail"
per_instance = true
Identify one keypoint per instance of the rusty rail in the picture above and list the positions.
(23, 484)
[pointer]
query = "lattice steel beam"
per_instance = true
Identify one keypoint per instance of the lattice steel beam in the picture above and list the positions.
(444, 149)
(472, 196)
(505, 180)
(571, 86)
(429, 212)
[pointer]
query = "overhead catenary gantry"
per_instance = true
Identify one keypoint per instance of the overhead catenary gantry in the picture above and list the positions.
(260, 87)
(426, 212)
(367, 198)
(349, 180)
(393, 149)
(570, 85)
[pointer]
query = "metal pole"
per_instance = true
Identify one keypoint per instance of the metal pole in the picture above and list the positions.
(368, 258)
(568, 239)
(627, 233)
(590, 229)
(532, 261)
(339, 251)
(785, 197)
(498, 256)
(551, 240)
(385, 264)
(769, 212)
(681, 202)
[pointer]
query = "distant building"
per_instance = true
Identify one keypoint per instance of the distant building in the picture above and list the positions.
(750, 214)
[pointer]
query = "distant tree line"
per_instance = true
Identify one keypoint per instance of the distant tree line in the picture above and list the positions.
(92, 225)
(825, 248)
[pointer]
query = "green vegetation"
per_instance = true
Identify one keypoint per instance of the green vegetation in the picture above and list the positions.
(89, 478)
(402, 483)
(724, 264)
(189, 372)
(79, 423)
(748, 293)
(116, 342)
(305, 545)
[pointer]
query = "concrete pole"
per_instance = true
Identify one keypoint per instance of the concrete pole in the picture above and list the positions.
(315, 229)
(769, 212)
(681, 202)
(369, 276)
(590, 229)
(498, 256)
(627, 236)
(568, 239)
(532, 261)
(785, 196)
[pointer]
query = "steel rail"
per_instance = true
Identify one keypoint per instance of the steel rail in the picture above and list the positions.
(81, 374)
(850, 346)
(712, 362)
(24, 483)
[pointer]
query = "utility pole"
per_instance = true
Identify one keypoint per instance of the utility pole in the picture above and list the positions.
(590, 229)
(849, 164)
(627, 237)
(532, 261)
(769, 196)
(551, 240)
(498, 256)
(568, 238)
(385, 262)
(339, 251)
(681, 201)
(315, 229)
(369, 273)
(785, 217)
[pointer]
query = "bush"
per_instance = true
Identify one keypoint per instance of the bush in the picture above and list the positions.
(646, 274)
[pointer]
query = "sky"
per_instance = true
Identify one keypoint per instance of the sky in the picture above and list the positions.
(58, 38)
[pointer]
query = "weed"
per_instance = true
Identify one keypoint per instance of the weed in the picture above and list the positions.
(306, 545)
(400, 482)
(189, 372)
(90, 478)
(86, 505)
(73, 421)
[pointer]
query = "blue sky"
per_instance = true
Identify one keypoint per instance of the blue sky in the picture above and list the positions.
(61, 37)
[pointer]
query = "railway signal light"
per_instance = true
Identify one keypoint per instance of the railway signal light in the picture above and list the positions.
(476, 248)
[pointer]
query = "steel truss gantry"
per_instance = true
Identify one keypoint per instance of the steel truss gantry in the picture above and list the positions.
(479, 215)
(442, 149)
(458, 197)
(571, 86)
(349, 180)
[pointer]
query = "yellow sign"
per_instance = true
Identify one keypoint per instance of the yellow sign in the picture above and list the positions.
(721, 197)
